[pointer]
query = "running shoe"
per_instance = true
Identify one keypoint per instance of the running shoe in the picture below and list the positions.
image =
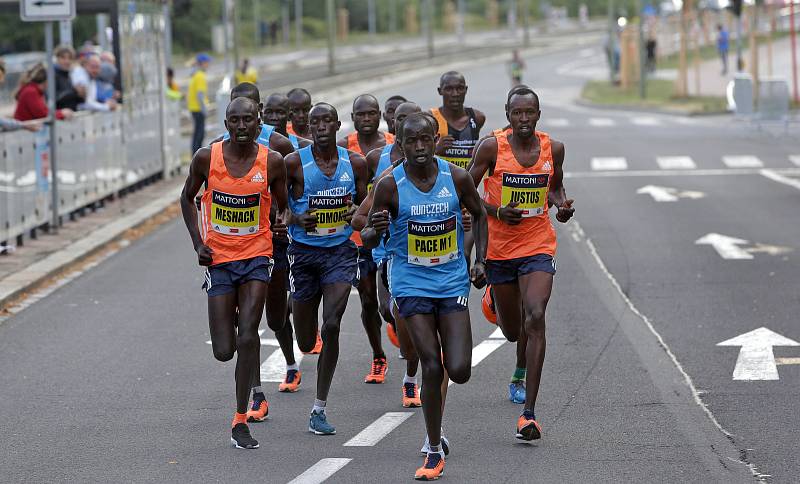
(259, 410)
(241, 438)
(392, 334)
(377, 374)
(411, 395)
(318, 424)
(528, 428)
(292, 382)
(317, 349)
(516, 392)
(432, 469)
(487, 305)
(444, 442)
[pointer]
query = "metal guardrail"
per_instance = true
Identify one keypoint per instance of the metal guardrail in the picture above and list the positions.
(98, 155)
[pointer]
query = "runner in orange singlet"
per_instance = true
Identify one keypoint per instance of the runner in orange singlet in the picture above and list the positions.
(525, 177)
(299, 107)
(236, 246)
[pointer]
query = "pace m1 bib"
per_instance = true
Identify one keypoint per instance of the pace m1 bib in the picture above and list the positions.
(530, 191)
(431, 243)
(235, 214)
(330, 211)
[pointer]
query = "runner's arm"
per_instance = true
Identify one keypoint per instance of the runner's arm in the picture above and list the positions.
(469, 197)
(294, 186)
(362, 175)
(276, 168)
(360, 218)
(480, 118)
(198, 174)
(557, 195)
(384, 204)
(280, 143)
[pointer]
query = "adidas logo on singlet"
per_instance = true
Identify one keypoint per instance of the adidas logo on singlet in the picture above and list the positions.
(444, 193)
(345, 177)
(257, 178)
(546, 166)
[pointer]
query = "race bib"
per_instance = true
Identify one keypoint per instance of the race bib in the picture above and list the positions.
(460, 154)
(235, 214)
(432, 243)
(530, 191)
(330, 211)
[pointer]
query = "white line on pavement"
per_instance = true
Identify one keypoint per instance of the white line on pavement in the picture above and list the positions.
(742, 161)
(646, 121)
(273, 369)
(378, 429)
(609, 163)
(775, 176)
(602, 122)
(708, 172)
(320, 471)
(484, 349)
(557, 122)
(795, 159)
(676, 163)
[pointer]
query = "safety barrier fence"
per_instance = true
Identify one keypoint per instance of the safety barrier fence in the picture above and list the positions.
(97, 156)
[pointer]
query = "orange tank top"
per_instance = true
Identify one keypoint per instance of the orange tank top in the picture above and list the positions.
(353, 145)
(236, 210)
(290, 129)
(529, 186)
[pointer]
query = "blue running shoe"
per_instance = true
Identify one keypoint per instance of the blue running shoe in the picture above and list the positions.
(318, 424)
(516, 392)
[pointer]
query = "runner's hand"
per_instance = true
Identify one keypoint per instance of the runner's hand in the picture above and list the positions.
(279, 228)
(565, 211)
(198, 201)
(204, 254)
(445, 142)
(478, 274)
(351, 210)
(466, 219)
(308, 220)
(379, 221)
(509, 214)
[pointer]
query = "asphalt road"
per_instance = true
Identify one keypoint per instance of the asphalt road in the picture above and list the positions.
(110, 378)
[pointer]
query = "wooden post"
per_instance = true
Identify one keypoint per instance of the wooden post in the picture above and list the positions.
(493, 13)
(771, 17)
(682, 87)
(754, 50)
(343, 27)
(412, 19)
(449, 16)
(696, 60)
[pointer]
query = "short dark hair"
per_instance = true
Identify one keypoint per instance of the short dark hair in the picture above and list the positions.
(401, 133)
(450, 74)
(298, 90)
(397, 97)
(521, 90)
(248, 90)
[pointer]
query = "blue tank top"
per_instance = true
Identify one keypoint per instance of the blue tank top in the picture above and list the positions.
(263, 136)
(426, 239)
(329, 196)
(293, 140)
(385, 161)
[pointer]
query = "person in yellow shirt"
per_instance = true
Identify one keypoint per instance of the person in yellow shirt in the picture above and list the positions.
(197, 99)
(246, 73)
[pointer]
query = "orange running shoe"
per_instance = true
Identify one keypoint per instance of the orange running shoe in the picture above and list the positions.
(411, 395)
(528, 428)
(258, 411)
(292, 382)
(317, 349)
(392, 334)
(377, 374)
(432, 469)
(487, 305)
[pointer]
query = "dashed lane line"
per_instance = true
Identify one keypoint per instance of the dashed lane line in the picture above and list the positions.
(321, 471)
(742, 161)
(646, 121)
(775, 176)
(378, 429)
(605, 163)
(602, 122)
(701, 172)
(676, 163)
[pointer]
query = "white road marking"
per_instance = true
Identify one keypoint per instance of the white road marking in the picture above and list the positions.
(646, 121)
(484, 349)
(787, 361)
(602, 122)
(667, 194)
(557, 122)
(273, 370)
(676, 163)
(701, 172)
(727, 247)
(795, 159)
(320, 471)
(775, 176)
(756, 360)
(742, 161)
(378, 429)
(609, 163)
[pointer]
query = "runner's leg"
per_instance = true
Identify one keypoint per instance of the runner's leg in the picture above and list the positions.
(334, 302)
(536, 288)
(422, 328)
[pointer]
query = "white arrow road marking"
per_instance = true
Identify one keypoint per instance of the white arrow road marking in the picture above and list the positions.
(378, 429)
(768, 249)
(676, 163)
(756, 360)
(726, 247)
(742, 161)
(320, 471)
(667, 194)
(787, 361)
(775, 176)
(609, 163)
(795, 159)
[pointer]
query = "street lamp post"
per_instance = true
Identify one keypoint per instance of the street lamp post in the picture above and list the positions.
(428, 16)
(330, 15)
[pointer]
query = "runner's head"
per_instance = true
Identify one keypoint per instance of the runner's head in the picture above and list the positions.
(453, 89)
(417, 138)
(248, 90)
(388, 111)
(242, 121)
(276, 111)
(323, 121)
(299, 106)
(366, 114)
(403, 110)
(522, 111)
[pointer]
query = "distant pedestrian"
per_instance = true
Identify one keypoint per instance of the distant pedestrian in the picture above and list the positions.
(197, 100)
(246, 73)
(273, 32)
(516, 67)
(31, 102)
(8, 124)
(722, 47)
(650, 48)
(173, 91)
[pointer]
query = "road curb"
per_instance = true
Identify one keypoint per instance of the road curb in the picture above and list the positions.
(17, 283)
(642, 109)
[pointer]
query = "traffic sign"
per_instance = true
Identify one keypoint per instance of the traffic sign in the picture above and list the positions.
(46, 10)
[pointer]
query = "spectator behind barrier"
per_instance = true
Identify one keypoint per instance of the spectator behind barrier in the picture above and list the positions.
(246, 73)
(92, 101)
(8, 124)
(30, 98)
(173, 92)
(107, 77)
(66, 95)
(79, 75)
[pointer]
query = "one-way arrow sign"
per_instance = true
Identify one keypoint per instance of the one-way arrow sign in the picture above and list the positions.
(756, 360)
(667, 194)
(731, 247)
(46, 10)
